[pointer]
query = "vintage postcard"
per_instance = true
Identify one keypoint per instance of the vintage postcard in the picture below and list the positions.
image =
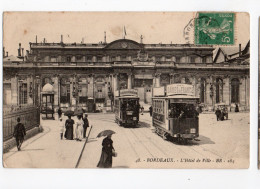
(126, 90)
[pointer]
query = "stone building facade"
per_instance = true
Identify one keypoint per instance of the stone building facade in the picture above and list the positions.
(87, 75)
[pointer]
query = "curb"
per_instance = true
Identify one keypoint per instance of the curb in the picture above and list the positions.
(7, 145)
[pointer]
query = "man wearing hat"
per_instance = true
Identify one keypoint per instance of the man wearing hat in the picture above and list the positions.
(19, 133)
(85, 125)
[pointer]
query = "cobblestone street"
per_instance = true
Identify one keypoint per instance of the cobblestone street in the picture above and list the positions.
(220, 144)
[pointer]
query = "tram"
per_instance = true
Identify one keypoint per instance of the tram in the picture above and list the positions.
(126, 107)
(174, 112)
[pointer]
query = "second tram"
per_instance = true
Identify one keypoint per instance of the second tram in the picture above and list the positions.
(126, 107)
(174, 112)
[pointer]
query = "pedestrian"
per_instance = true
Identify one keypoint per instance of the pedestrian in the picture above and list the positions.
(151, 111)
(218, 113)
(69, 128)
(142, 110)
(79, 128)
(236, 109)
(59, 112)
(61, 125)
(85, 125)
(108, 152)
(19, 133)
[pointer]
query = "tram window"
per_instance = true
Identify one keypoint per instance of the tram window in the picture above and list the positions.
(183, 110)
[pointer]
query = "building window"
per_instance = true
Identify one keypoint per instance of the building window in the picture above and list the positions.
(177, 78)
(178, 59)
(187, 80)
(68, 59)
(204, 59)
(192, 59)
(235, 90)
(64, 91)
(7, 94)
(53, 59)
(23, 93)
(202, 90)
(82, 92)
(164, 79)
(219, 90)
(99, 58)
(78, 58)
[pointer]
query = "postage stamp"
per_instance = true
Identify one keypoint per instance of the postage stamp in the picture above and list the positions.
(214, 28)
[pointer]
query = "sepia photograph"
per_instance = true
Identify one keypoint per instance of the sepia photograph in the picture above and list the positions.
(142, 90)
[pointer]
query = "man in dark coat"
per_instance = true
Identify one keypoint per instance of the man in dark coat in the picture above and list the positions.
(151, 111)
(218, 113)
(107, 153)
(19, 133)
(85, 125)
(59, 112)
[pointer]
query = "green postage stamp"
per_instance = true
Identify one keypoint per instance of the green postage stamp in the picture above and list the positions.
(214, 28)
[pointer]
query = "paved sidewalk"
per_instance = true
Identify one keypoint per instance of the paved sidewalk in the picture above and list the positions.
(45, 150)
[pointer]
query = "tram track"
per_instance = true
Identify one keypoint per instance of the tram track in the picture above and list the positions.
(132, 139)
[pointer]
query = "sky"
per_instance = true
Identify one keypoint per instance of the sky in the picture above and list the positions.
(155, 27)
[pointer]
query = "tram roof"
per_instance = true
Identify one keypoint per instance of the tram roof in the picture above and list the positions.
(135, 97)
(177, 96)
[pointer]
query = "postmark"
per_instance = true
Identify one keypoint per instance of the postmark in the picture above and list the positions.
(214, 28)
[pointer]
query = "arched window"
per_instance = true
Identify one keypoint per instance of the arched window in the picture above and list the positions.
(202, 90)
(235, 90)
(64, 90)
(219, 90)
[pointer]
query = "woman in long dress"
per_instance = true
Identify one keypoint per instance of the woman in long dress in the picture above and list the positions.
(79, 128)
(107, 153)
(69, 128)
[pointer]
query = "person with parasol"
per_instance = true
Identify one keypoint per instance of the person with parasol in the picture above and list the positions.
(108, 150)
(69, 125)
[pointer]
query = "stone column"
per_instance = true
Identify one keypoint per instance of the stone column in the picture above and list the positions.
(90, 86)
(115, 82)
(194, 84)
(14, 90)
(129, 81)
(71, 91)
(157, 79)
(247, 92)
(242, 91)
(56, 90)
(226, 94)
(208, 98)
(29, 82)
(171, 78)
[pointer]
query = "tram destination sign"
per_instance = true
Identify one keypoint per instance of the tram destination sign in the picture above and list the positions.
(128, 92)
(180, 89)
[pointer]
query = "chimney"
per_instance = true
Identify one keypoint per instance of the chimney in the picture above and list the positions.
(105, 38)
(3, 51)
(43, 40)
(27, 53)
(61, 38)
(19, 50)
(22, 52)
(36, 39)
(239, 49)
(6, 54)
